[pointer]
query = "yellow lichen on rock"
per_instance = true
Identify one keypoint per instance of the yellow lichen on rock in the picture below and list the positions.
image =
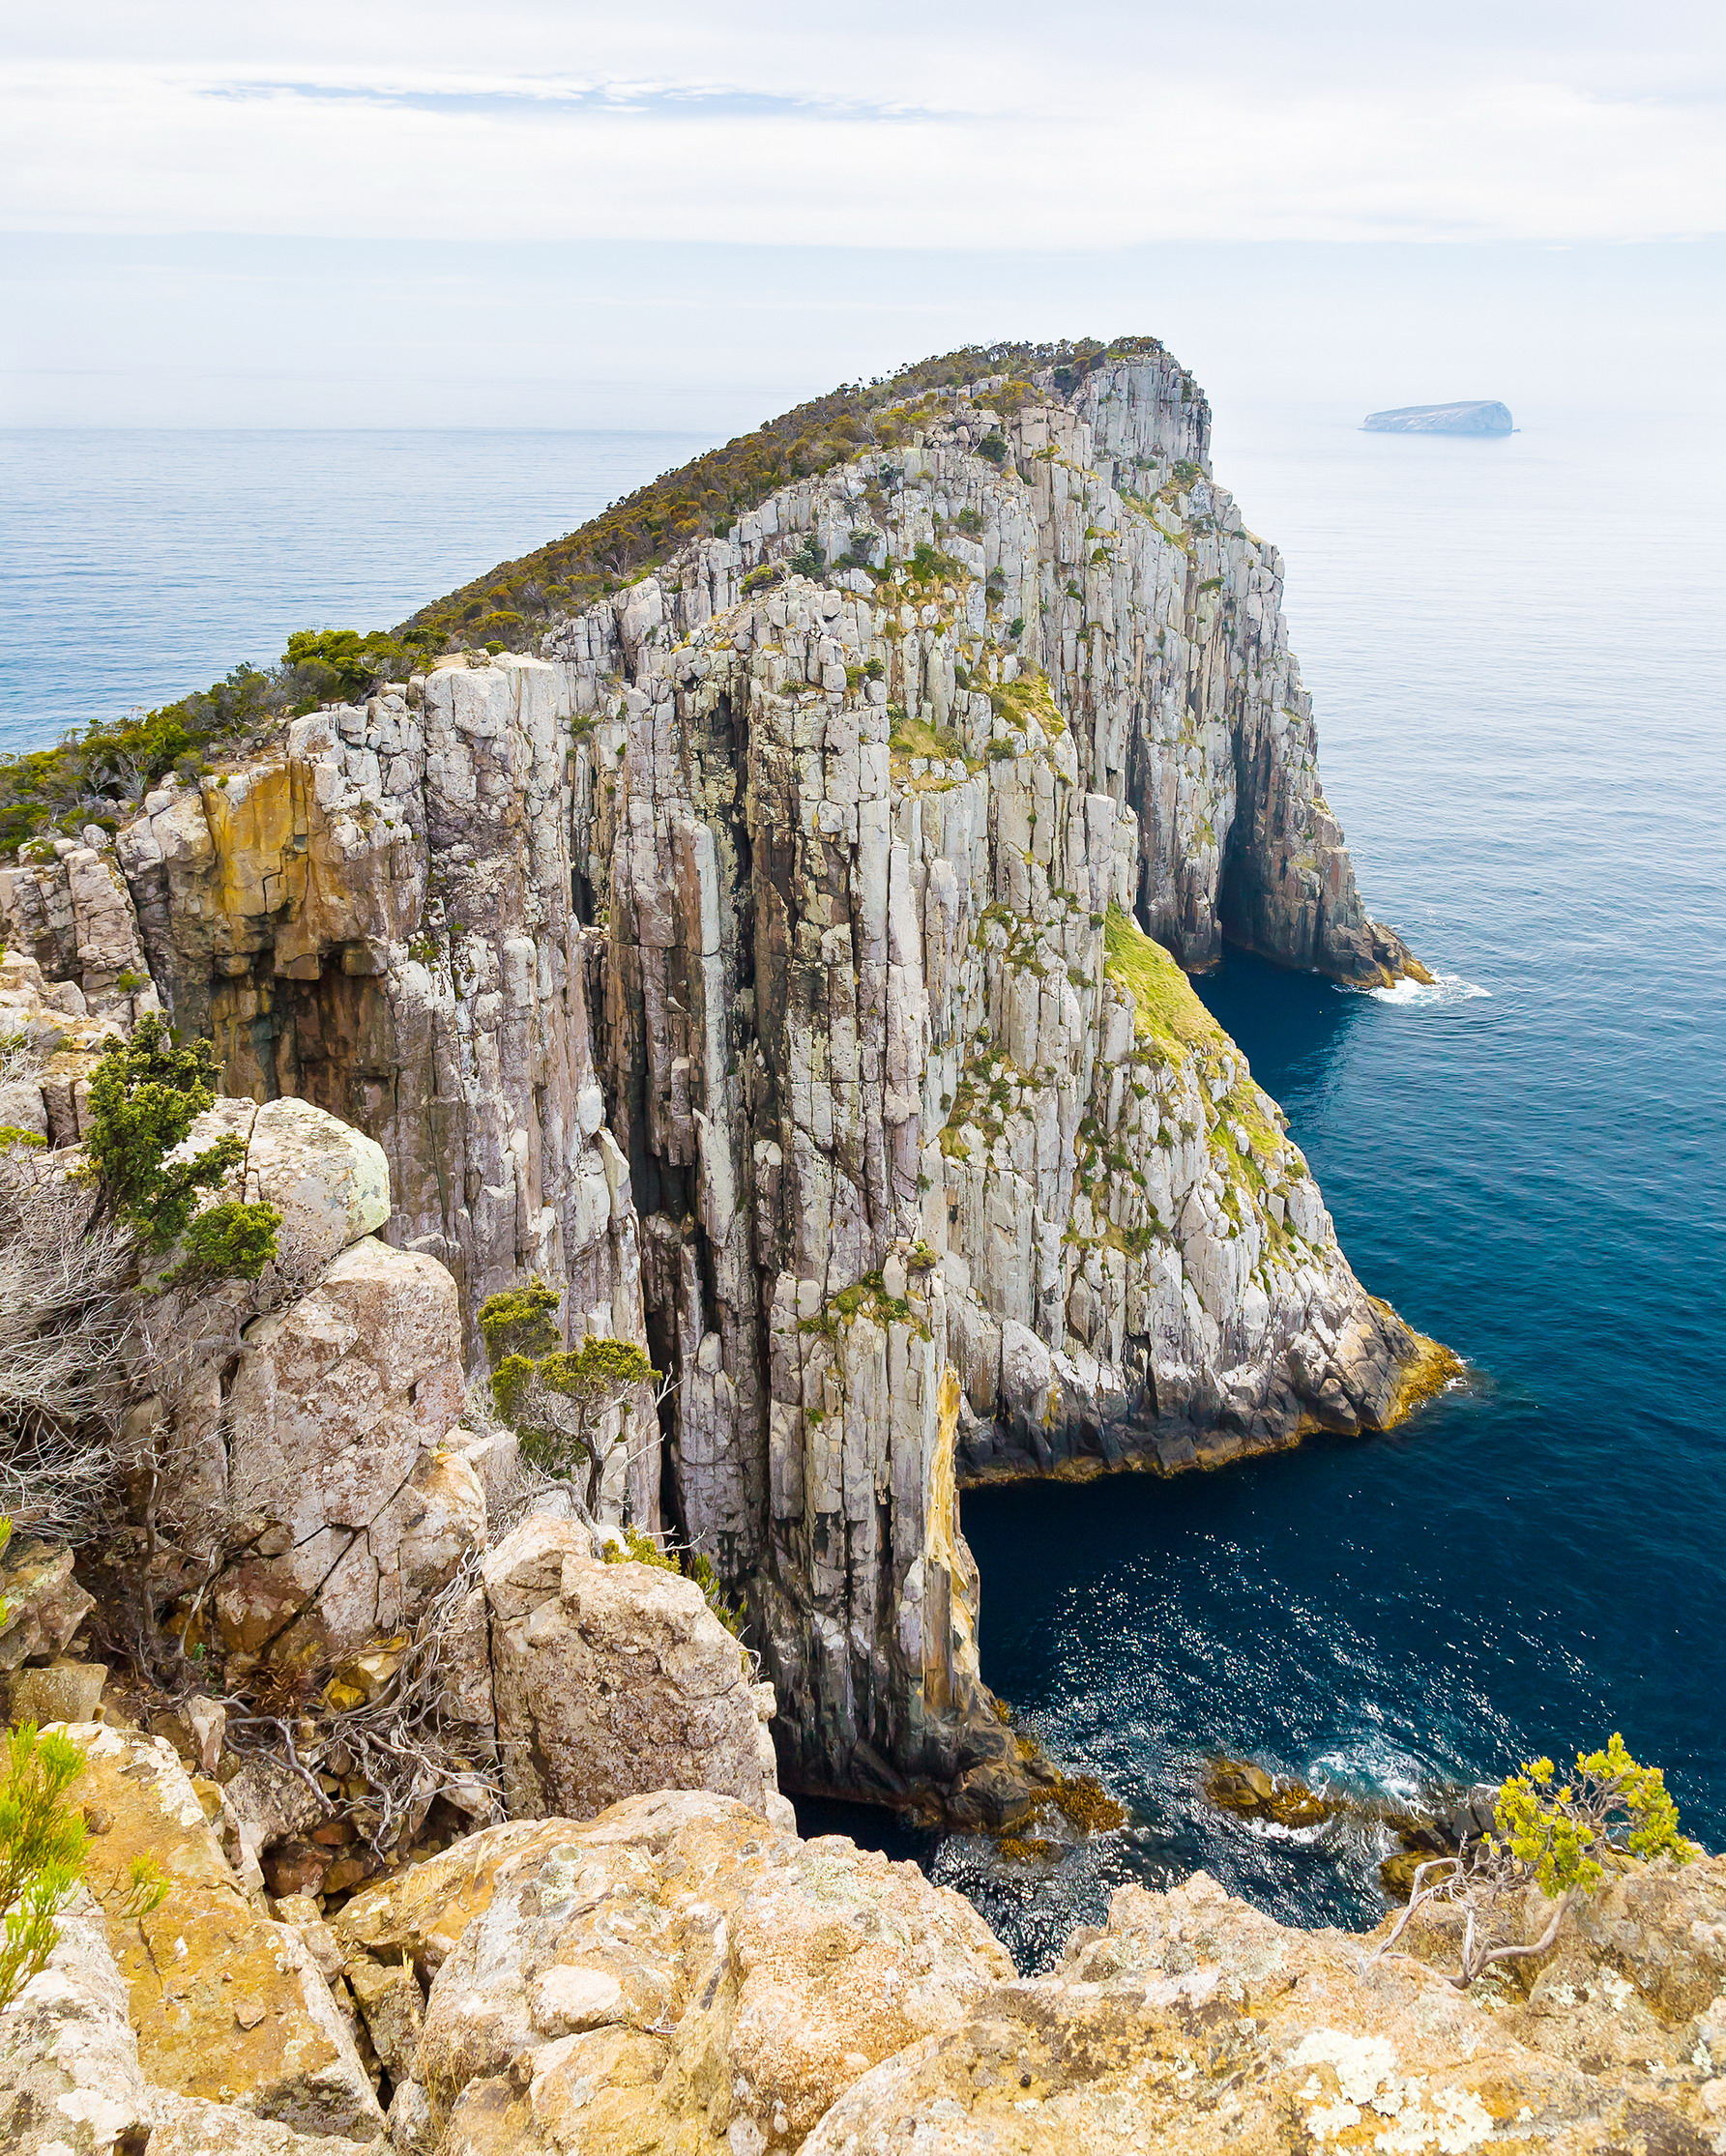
(227, 2005)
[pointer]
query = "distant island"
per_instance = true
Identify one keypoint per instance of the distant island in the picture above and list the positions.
(1480, 416)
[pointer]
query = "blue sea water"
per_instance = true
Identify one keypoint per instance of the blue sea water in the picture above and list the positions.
(137, 564)
(1516, 651)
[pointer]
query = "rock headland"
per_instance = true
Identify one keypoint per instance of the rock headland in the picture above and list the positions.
(1476, 415)
(785, 959)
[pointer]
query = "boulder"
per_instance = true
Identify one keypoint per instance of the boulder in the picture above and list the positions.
(44, 1605)
(675, 1975)
(612, 1680)
(419, 1915)
(57, 1692)
(228, 2006)
(70, 2080)
(330, 1182)
(338, 1412)
(189, 2126)
(1197, 2027)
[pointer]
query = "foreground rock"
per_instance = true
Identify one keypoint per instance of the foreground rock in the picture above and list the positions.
(1483, 416)
(227, 2005)
(676, 1977)
(1194, 2025)
(671, 1975)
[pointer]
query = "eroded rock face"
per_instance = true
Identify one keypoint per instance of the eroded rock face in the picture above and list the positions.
(335, 1414)
(611, 1680)
(1196, 2026)
(228, 2007)
(43, 1604)
(773, 971)
(675, 1975)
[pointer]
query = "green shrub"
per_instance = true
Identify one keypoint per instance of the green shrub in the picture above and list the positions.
(145, 1094)
(994, 447)
(41, 1850)
(231, 1241)
(519, 1322)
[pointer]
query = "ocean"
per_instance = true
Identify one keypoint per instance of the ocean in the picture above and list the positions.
(1515, 648)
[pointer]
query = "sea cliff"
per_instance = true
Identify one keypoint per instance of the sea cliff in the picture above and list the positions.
(784, 960)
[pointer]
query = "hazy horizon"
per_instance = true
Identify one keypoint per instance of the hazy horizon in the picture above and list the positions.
(551, 216)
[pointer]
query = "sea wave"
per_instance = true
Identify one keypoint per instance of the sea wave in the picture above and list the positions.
(1443, 988)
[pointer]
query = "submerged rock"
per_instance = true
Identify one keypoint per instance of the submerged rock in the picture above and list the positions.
(1482, 416)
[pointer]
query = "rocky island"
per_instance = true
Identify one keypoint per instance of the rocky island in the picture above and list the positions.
(686, 1058)
(1481, 415)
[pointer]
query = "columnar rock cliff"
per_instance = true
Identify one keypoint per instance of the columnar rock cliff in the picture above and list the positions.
(787, 963)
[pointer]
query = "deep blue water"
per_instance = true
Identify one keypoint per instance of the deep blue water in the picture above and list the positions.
(1517, 650)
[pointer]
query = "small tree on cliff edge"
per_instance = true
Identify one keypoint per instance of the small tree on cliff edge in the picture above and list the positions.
(561, 1404)
(1561, 1840)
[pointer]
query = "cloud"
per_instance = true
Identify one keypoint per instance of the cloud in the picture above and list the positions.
(1104, 127)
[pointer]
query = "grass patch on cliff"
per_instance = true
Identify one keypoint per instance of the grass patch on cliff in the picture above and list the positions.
(1165, 1006)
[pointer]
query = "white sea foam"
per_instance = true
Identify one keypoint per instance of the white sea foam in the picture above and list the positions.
(1446, 988)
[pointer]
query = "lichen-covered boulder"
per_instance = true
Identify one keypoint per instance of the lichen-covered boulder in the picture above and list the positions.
(676, 1975)
(612, 1680)
(227, 2005)
(40, 1604)
(70, 2080)
(337, 1409)
(1196, 2026)
(330, 1182)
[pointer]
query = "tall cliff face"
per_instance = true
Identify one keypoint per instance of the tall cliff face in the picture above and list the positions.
(782, 962)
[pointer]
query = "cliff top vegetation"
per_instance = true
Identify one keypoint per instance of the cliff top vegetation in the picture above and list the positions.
(98, 775)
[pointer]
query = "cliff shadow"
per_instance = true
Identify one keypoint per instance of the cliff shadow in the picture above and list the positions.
(1292, 1026)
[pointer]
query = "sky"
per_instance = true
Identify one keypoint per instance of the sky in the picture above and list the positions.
(547, 213)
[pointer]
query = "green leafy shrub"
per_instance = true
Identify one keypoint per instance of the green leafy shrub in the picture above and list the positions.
(43, 1848)
(145, 1094)
(230, 1241)
(519, 1321)
(994, 447)
(1562, 1839)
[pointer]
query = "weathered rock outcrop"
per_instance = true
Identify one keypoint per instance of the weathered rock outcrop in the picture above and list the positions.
(672, 1974)
(615, 1679)
(680, 1977)
(1196, 2026)
(228, 2006)
(781, 965)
